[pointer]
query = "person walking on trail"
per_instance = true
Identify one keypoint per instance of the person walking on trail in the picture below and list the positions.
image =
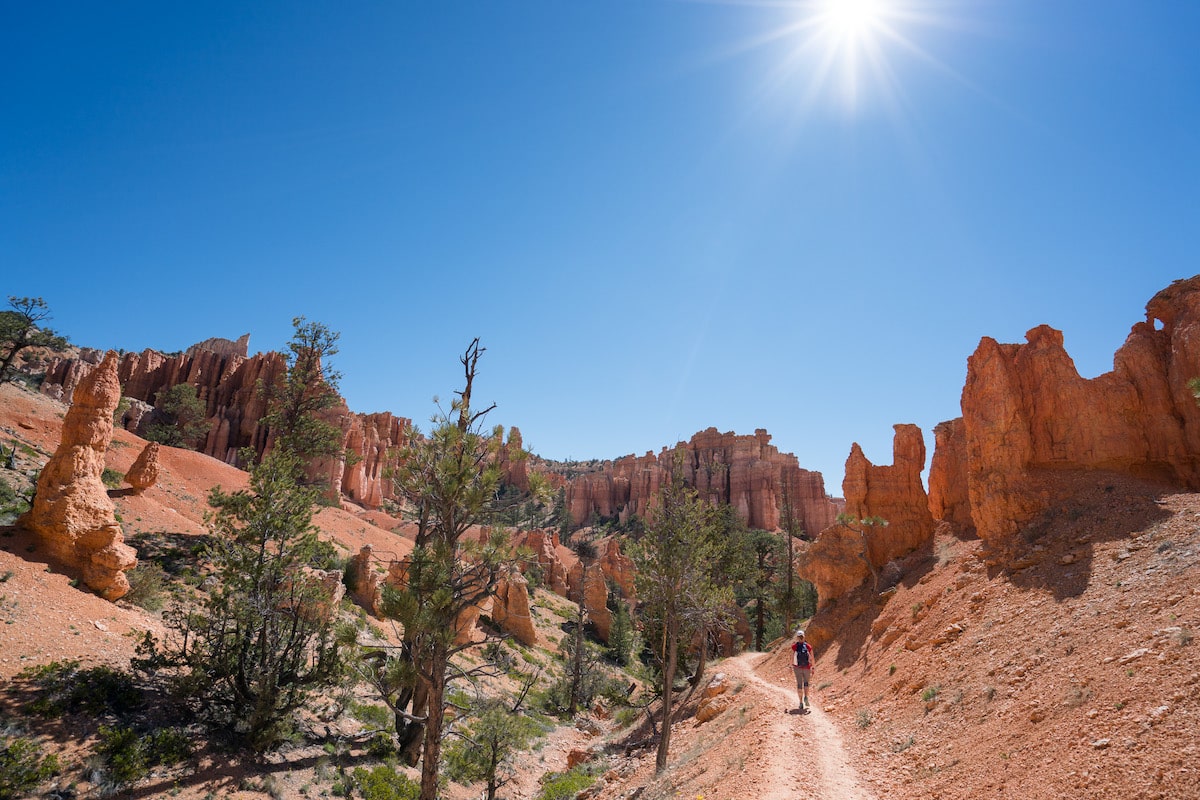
(802, 666)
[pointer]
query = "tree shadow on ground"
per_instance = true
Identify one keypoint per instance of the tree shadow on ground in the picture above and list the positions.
(68, 704)
(176, 553)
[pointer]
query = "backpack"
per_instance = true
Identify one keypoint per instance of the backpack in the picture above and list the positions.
(802, 655)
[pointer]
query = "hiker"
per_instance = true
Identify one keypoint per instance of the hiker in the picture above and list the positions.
(802, 665)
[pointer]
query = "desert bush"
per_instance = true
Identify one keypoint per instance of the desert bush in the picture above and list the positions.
(147, 586)
(864, 718)
(384, 783)
(111, 477)
(566, 785)
(125, 756)
(23, 767)
(65, 688)
(11, 503)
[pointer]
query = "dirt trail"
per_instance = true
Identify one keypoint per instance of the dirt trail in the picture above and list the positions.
(805, 755)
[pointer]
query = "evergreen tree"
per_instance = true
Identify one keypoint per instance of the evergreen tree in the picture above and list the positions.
(451, 482)
(183, 421)
(675, 581)
(309, 387)
(264, 640)
(485, 750)
(22, 327)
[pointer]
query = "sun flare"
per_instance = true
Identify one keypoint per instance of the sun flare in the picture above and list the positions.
(851, 19)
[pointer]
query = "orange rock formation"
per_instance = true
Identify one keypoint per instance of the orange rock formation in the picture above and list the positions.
(746, 472)
(1031, 424)
(144, 472)
(72, 513)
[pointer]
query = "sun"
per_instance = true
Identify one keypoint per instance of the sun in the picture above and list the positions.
(851, 35)
(851, 20)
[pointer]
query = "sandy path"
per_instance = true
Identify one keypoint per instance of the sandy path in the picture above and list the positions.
(806, 757)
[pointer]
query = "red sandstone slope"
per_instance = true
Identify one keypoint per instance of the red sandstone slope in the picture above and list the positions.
(42, 617)
(1076, 676)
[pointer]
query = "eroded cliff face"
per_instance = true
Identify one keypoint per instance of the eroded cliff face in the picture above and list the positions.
(894, 493)
(1034, 435)
(1031, 423)
(849, 553)
(227, 381)
(747, 472)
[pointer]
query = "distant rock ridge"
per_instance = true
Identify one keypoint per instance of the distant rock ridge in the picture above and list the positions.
(223, 347)
(747, 472)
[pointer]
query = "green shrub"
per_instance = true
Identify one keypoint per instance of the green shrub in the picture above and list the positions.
(111, 478)
(565, 785)
(372, 715)
(384, 783)
(23, 767)
(626, 717)
(147, 584)
(12, 504)
(65, 688)
(127, 756)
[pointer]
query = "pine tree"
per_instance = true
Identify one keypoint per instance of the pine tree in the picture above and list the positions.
(675, 581)
(450, 481)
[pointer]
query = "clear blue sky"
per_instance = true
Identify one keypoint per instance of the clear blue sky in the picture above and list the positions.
(658, 216)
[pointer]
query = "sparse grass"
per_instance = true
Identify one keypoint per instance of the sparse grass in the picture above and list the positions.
(900, 745)
(1077, 697)
(989, 692)
(930, 693)
(864, 718)
(892, 669)
(916, 609)
(1183, 637)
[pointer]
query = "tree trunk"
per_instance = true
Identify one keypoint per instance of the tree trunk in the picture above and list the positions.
(760, 623)
(433, 725)
(669, 665)
(410, 733)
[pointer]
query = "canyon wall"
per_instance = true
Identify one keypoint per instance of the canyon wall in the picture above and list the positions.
(1033, 435)
(747, 472)
(1031, 424)
(227, 382)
